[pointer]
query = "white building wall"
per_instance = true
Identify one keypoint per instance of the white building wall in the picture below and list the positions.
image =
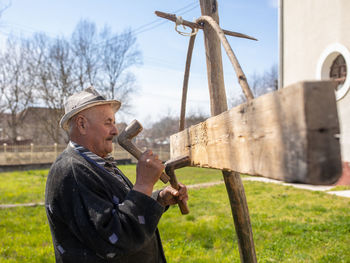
(309, 28)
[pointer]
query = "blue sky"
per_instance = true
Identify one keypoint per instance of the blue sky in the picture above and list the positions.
(160, 77)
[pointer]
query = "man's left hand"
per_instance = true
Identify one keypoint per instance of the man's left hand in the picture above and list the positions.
(169, 195)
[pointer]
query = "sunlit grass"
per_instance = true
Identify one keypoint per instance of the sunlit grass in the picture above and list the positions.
(29, 186)
(188, 175)
(22, 186)
(289, 225)
(340, 188)
(25, 235)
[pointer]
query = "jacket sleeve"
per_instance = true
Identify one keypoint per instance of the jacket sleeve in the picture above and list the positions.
(110, 228)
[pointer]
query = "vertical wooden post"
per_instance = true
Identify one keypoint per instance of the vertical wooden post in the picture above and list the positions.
(241, 218)
(5, 151)
(55, 150)
(160, 153)
(218, 103)
(31, 152)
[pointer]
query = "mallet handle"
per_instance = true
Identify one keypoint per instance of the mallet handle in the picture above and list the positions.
(170, 166)
(124, 140)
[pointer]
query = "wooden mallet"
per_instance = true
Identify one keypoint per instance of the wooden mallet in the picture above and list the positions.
(124, 140)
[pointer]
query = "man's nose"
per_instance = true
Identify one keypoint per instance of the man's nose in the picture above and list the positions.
(115, 130)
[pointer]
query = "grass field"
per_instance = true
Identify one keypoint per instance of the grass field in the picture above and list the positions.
(289, 225)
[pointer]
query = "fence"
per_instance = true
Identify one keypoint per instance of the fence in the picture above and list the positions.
(36, 154)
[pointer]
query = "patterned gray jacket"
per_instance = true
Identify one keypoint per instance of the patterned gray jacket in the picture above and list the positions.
(94, 217)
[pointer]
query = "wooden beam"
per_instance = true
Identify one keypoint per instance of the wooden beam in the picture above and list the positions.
(291, 135)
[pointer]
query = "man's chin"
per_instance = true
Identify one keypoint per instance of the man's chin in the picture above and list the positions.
(109, 147)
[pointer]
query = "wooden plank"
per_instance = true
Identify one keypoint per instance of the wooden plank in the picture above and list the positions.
(290, 135)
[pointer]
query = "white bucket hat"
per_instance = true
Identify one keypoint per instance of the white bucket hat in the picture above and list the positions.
(84, 100)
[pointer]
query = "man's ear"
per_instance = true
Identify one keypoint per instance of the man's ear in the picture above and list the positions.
(81, 123)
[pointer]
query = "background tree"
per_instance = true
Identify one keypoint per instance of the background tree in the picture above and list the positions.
(16, 84)
(266, 82)
(118, 54)
(160, 131)
(259, 84)
(55, 80)
(51, 69)
(2, 103)
(84, 43)
(3, 7)
(102, 60)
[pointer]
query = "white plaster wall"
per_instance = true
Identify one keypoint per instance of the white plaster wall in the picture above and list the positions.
(310, 26)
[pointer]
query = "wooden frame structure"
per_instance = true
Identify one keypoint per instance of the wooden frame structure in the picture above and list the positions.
(288, 135)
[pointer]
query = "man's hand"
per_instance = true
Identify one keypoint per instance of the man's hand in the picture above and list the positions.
(148, 171)
(169, 195)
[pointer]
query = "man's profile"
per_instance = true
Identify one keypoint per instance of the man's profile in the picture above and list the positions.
(95, 213)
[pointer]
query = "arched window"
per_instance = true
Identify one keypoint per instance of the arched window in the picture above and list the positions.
(338, 71)
(333, 64)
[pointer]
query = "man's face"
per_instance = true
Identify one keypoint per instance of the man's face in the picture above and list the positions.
(100, 129)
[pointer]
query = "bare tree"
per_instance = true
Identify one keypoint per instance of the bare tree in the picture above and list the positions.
(50, 70)
(168, 125)
(104, 59)
(89, 58)
(118, 54)
(85, 48)
(3, 7)
(2, 103)
(55, 80)
(259, 84)
(16, 84)
(266, 82)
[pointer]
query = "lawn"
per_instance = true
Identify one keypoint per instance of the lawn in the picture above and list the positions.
(29, 186)
(289, 225)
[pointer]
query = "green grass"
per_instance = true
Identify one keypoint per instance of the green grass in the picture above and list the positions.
(29, 186)
(289, 225)
(188, 175)
(340, 188)
(25, 235)
(22, 187)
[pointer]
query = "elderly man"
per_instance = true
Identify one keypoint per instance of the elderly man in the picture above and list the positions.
(94, 211)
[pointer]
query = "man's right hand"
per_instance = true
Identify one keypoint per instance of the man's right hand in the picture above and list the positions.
(148, 170)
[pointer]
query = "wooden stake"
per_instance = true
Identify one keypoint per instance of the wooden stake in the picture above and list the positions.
(185, 83)
(218, 105)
